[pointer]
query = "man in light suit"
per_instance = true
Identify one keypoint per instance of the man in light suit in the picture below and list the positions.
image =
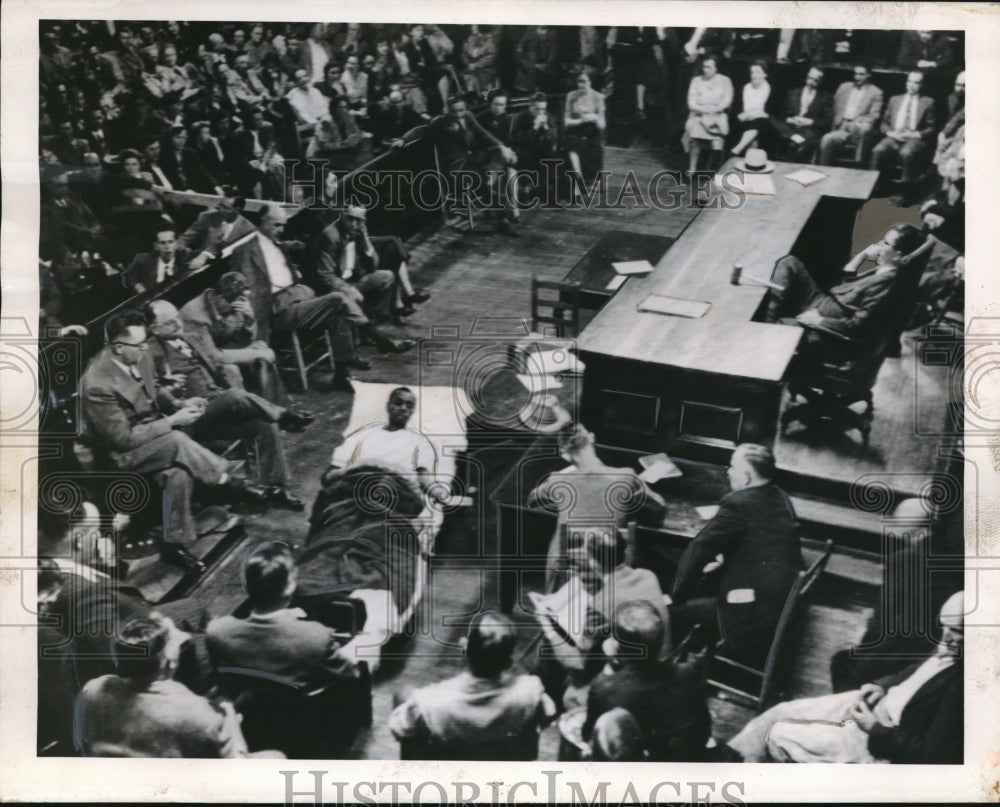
(908, 128)
(122, 412)
(856, 109)
(808, 112)
(150, 270)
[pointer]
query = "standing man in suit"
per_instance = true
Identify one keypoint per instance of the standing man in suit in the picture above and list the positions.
(756, 533)
(910, 717)
(856, 109)
(808, 112)
(150, 270)
(123, 413)
(908, 128)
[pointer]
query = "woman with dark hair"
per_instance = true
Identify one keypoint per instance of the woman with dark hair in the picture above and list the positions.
(709, 97)
(584, 124)
(753, 123)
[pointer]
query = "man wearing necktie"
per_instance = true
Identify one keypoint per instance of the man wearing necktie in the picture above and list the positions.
(808, 112)
(150, 270)
(856, 109)
(908, 130)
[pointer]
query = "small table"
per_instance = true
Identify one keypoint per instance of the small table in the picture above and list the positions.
(594, 270)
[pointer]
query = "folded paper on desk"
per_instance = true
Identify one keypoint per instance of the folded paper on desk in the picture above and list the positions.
(657, 467)
(633, 267)
(674, 306)
(806, 176)
(752, 184)
(616, 282)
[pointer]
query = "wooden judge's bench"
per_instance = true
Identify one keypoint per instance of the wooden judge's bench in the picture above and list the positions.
(696, 387)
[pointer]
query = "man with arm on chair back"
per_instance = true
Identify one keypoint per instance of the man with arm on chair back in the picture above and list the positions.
(756, 532)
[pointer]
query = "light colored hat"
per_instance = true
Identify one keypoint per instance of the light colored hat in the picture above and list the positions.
(953, 611)
(756, 162)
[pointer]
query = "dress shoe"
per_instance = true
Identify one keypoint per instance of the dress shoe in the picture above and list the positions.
(241, 490)
(295, 420)
(403, 311)
(280, 496)
(396, 345)
(342, 383)
(418, 296)
(177, 555)
(358, 364)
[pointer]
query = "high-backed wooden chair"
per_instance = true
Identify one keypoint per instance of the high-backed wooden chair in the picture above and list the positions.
(299, 354)
(761, 685)
(555, 308)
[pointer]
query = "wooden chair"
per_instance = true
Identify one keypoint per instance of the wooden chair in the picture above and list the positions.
(765, 682)
(555, 304)
(466, 203)
(293, 356)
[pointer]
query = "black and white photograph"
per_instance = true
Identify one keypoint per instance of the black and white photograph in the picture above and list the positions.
(437, 389)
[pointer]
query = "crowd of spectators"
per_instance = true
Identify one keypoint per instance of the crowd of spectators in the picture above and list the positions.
(134, 114)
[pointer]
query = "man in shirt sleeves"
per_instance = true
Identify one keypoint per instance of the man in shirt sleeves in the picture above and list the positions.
(392, 444)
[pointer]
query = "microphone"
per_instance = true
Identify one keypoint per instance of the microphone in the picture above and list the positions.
(737, 274)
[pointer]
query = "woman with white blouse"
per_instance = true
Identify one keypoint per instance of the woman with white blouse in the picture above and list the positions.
(584, 124)
(754, 123)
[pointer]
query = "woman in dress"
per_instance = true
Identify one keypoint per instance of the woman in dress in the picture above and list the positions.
(709, 98)
(584, 124)
(754, 123)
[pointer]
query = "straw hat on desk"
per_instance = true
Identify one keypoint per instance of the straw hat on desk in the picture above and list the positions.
(755, 162)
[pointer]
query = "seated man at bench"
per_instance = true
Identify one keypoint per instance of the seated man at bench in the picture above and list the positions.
(910, 717)
(853, 308)
(756, 534)
(186, 377)
(486, 712)
(122, 411)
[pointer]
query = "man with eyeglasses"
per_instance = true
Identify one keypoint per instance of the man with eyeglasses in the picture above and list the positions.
(122, 412)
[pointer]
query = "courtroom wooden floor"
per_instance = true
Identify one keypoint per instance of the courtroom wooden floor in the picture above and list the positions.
(480, 274)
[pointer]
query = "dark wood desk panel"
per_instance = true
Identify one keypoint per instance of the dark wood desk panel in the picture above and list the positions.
(594, 270)
(650, 377)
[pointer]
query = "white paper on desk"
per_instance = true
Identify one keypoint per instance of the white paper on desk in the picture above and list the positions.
(708, 512)
(806, 176)
(752, 184)
(657, 467)
(633, 267)
(674, 306)
(616, 282)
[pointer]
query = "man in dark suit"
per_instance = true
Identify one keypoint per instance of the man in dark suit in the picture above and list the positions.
(856, 109)
(391, 124)
(122, 411)
(853, 307)
(808, 112)
(277, 640)
(911, 717)
(535, 134)
(465, 146)
(667, 699)
(150, 270)
(184, 373)
(925, 50)
(908, 127)
(756, 532)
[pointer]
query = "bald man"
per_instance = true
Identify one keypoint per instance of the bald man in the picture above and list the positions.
(912, 717)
